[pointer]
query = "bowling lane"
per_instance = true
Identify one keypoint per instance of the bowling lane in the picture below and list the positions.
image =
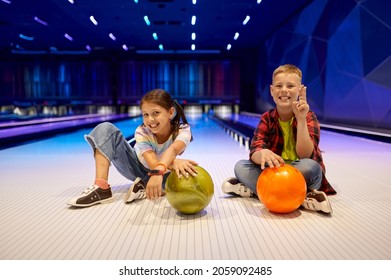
(67, 143)
(39, 177)
(250, 120)
(15, 133)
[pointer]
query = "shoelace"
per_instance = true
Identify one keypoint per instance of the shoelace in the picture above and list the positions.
(243, 189)
(142, 193)
(89, 189)
(309, 202)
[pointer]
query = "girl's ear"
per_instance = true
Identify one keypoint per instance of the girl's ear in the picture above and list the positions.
(172, 113)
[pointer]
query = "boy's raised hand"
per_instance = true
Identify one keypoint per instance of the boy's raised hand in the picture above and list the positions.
(301, 107)
(303, 93)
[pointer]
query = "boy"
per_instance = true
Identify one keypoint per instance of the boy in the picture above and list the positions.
(288, 134)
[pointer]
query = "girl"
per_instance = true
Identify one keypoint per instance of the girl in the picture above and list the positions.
(160, 138)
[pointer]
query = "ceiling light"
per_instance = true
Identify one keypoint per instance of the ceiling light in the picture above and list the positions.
(147, 20)
(194, 2)
(161, 47)
(154, 35)
(112, 37)
(88, 48)
(246, 20)
(193, 47)
(236, 36)
(229, 47)
(71, 1)
(259, 1)
(68, 37)
(40, 21)
(193, 20)
(7, 1)
(125, 47)
(28, 38)
(136, 1)
(193, 36)
(93, 20)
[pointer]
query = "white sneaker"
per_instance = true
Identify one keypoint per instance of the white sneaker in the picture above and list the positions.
(234, 187)
(136, 191)
(317, 201)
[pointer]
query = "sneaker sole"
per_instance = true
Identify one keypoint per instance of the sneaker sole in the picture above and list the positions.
(328, 205)
(129, 192)
(104, 201)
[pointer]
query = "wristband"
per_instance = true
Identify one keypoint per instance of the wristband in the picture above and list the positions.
(155, 172)
(162, 164)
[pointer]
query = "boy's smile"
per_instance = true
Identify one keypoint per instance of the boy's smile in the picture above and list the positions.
(284, 98)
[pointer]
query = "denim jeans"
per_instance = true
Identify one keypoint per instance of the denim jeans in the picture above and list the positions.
(109, 140)
(247, 173)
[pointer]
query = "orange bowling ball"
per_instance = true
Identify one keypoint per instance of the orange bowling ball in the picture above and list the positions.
(281, 189)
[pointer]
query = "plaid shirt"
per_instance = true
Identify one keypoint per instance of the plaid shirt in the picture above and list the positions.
(268, 135)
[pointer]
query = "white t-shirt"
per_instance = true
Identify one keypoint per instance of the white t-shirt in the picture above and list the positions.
(146, 141)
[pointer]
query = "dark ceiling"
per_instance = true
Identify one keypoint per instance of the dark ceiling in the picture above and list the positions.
(39, 26)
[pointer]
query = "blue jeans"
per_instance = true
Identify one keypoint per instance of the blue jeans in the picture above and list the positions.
(247, 173)
(109, 140)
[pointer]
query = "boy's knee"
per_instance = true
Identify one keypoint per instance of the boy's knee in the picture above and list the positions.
(240, 165)
(314, 165)
(309, 168)
(243, 168)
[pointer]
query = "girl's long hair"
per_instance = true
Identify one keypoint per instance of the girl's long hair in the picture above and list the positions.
(164, 99)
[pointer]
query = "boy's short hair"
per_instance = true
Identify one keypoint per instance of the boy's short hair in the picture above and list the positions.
(288, 69)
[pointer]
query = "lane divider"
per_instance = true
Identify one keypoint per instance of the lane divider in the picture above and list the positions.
(238, 136)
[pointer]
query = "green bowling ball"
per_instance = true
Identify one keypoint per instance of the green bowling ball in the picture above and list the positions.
(189, 195)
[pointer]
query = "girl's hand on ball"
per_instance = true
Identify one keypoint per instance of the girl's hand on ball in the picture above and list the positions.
(184, 167)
